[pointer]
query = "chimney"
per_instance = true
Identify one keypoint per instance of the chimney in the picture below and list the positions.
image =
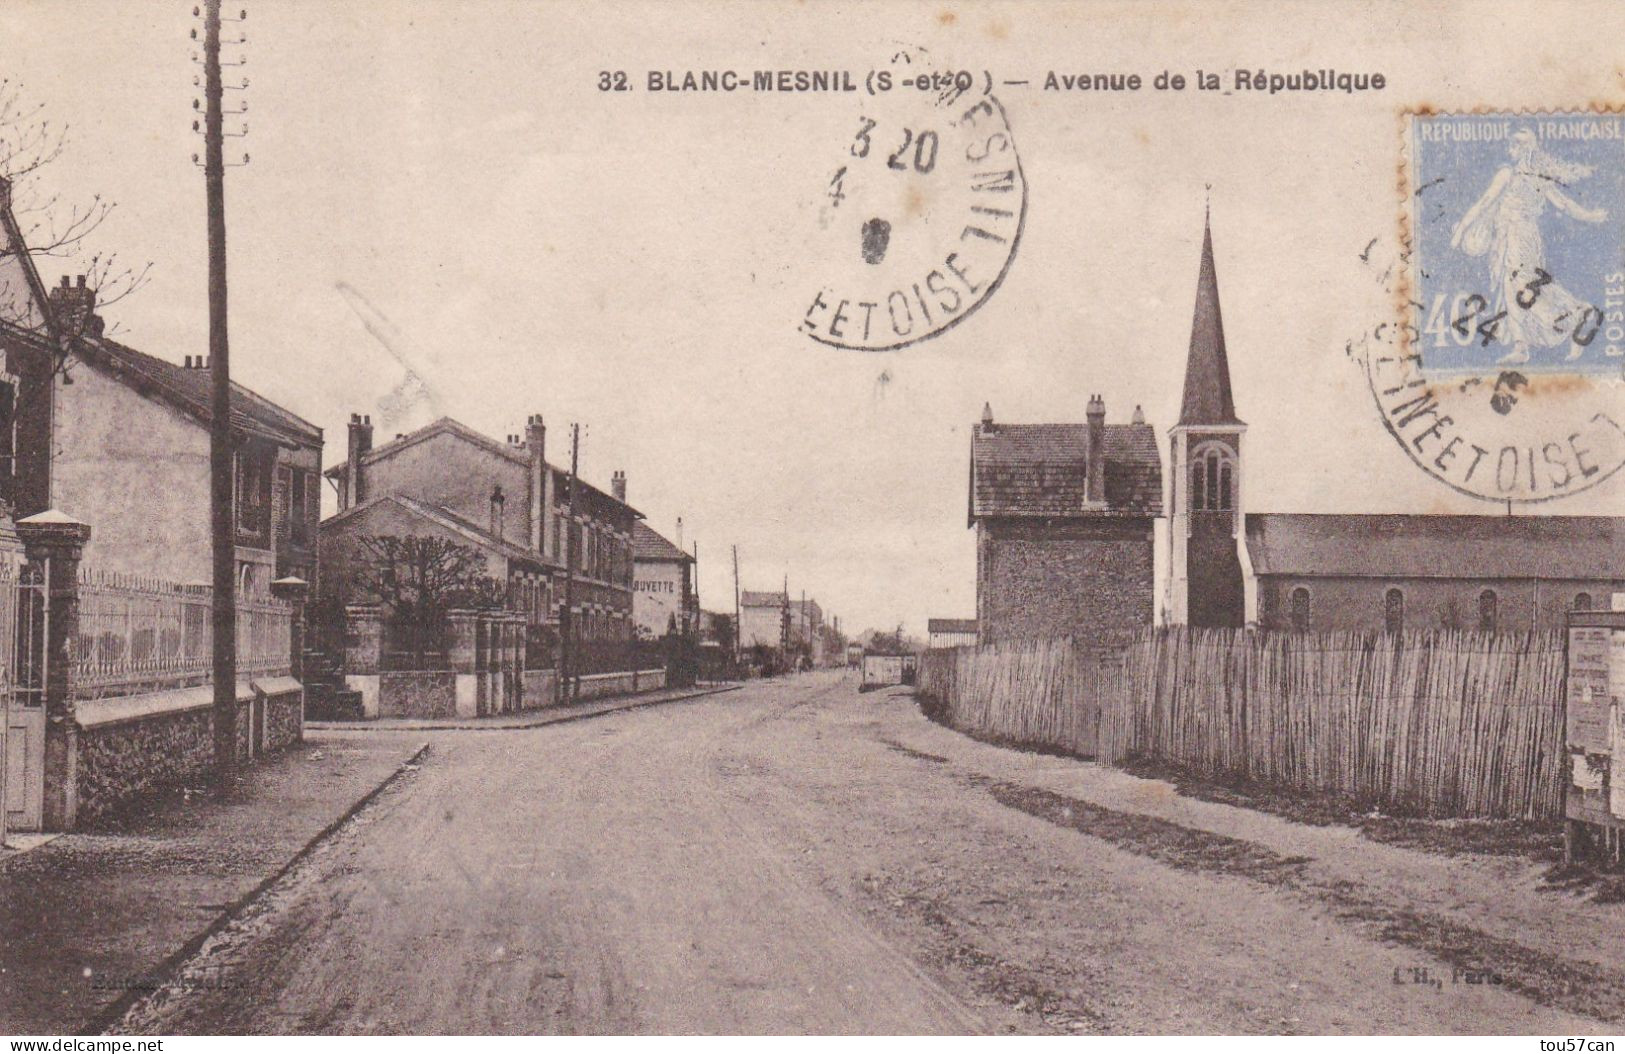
(680, 533)
(188, 362)
(536, 496)
(1097, 450)
(1139, 415)
(617, 486)
(360, 446)
(74, 306)
(497, 503)
(987, 417)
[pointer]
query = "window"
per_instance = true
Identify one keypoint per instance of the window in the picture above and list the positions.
(1393, 611)
(1269, 603)
(253, 486)
(1213, 479)
(1486, 611)
(1300, 609)
(298, 523)
(1582, 601)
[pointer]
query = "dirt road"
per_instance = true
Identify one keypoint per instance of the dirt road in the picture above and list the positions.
(790, 858)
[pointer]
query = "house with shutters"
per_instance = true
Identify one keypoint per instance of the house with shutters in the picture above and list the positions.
(1311, 572)
(119, 438)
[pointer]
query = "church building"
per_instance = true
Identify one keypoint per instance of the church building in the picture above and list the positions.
(1315, 572)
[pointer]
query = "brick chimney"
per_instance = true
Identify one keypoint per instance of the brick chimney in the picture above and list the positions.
(617, 486)
(360, 446)
(537, 499)
(987, 417)
(1097, 449)
(74, 306)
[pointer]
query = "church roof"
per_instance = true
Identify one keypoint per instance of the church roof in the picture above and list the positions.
(1042, 470)
(1419, 546)
(1207, 398)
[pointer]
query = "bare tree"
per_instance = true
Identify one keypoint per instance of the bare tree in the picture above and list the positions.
(418, 579)
(50, 227)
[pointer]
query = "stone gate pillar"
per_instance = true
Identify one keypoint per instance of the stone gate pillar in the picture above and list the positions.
(292, 591)
(54, 542)
(363, 653)
(462, 651)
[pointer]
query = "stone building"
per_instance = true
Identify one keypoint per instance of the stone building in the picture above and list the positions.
(663, 585)
(1232, 567)
(508, 499)
(1064, 517)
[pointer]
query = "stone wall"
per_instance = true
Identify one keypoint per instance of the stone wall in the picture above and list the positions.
(594, 686)
(417, 693)
(133, 745)
(1092, 579)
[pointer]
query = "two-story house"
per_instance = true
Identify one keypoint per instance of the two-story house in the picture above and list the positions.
(507, 501)
(119, 439)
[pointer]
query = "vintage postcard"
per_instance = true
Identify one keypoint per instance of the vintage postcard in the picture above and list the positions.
(809, 518)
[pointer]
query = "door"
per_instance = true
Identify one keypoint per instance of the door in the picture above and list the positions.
(22, 711)
(23, 750)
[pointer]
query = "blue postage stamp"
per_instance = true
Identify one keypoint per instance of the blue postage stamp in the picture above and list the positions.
(1518, 242)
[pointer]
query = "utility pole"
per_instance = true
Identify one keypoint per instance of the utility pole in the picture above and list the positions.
(736, 606)
(566, 616)
(784, 624)
(221, 511)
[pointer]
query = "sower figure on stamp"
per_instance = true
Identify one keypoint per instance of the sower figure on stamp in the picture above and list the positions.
(1534, 309)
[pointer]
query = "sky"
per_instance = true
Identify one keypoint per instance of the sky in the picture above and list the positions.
(443, 188)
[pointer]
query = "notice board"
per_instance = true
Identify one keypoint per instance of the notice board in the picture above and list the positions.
(1593, 713)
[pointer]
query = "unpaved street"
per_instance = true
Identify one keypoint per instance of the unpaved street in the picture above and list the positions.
(797, 857)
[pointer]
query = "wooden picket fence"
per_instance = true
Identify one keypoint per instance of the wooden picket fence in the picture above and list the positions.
(1439, 723)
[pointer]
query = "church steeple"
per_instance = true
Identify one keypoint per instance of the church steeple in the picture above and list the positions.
(1207, 398)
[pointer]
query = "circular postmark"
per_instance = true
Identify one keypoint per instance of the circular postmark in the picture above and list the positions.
(922, 212)
(1504, 375)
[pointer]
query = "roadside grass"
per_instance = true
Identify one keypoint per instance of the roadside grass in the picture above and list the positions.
(1474, 956)
(1540, 840)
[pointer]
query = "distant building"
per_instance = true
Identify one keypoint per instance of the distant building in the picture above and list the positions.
(764, 619)
(663, 585)
(508, 501)
(1229, 567)
(950, 632)
(1064, 517)
(768, 619)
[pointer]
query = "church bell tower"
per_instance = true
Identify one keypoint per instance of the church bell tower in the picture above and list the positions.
(1207, 585)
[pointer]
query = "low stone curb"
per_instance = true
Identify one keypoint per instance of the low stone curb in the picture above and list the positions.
(554, 716)
(111, 1013)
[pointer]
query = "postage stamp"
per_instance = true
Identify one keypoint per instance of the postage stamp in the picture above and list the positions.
(1504, 375)
(1519, 241)
(922, 214)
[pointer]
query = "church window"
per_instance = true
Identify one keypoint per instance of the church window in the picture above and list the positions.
(1582, 601)
(1213, 479)
(1300, 609)
(1487, 604)
(1393, 611)
(1269, 602)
